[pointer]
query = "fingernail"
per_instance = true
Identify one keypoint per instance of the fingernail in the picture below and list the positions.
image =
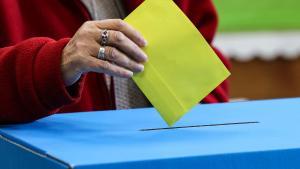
(130, 74)
(141, 67)
(144, 42)
(144, 56)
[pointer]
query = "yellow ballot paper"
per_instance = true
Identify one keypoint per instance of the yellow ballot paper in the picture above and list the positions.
(182, 68)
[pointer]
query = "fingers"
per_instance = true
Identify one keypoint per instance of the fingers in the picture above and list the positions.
(100, 66)
(122, 36)
(126, 29)
(119, 40)
(119, 58)
(123, 54)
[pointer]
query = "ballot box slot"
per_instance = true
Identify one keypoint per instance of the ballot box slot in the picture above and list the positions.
(200, 126)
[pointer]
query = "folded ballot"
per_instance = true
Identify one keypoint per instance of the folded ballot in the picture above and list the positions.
(182, 68)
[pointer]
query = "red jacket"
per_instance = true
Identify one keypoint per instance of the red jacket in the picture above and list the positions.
(32, 36)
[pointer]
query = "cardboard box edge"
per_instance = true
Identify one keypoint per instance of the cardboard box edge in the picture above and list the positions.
(41, 154)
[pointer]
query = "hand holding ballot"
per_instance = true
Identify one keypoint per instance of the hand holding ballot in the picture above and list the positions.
(108, 46)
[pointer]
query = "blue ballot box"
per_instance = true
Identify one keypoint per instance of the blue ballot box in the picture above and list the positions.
(130, 139)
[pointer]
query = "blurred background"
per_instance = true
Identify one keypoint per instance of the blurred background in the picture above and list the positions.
(262, 40)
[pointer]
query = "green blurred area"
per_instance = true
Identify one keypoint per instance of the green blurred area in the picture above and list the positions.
(255, 15)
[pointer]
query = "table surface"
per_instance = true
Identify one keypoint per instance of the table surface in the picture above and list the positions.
(115, 136)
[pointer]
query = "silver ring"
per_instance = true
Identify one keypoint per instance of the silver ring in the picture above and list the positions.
(104, 37)
(101, 53)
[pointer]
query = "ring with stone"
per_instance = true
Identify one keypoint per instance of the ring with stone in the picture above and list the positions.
(104, 37)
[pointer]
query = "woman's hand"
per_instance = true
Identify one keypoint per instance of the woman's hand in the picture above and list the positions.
(123, 55)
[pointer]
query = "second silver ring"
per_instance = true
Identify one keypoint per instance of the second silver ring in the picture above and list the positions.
(101, 53)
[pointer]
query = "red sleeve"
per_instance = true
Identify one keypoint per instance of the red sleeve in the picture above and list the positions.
(203, 14)
(31, 85)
